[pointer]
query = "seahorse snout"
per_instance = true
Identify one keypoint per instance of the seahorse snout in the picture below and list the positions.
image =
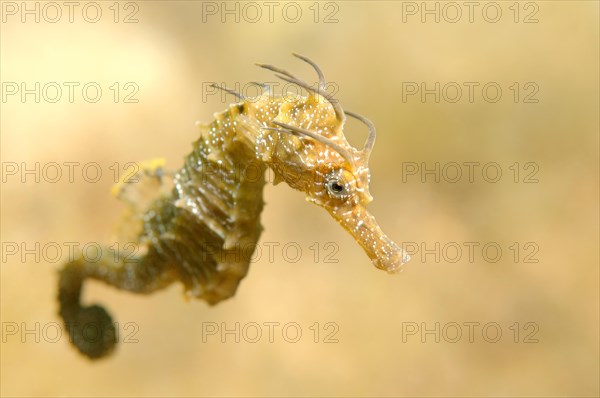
(383, 252)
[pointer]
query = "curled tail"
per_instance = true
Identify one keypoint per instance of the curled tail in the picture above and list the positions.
(91, 328)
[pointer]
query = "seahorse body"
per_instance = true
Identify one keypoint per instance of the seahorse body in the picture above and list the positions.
(205, 229)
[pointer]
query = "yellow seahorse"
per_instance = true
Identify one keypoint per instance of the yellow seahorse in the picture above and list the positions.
(214, 207)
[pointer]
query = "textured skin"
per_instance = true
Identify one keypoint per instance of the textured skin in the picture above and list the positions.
(204, 231)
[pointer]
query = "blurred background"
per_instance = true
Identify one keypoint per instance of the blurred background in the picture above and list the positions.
(501, 297)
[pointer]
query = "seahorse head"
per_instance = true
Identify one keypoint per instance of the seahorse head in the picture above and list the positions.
(303, 141)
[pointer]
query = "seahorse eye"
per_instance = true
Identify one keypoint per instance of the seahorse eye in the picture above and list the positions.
(339, 184)
(335, 188)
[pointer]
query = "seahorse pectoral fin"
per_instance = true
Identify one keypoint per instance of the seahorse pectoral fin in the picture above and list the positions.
(140, 184)
(383, 252)
(134, 175)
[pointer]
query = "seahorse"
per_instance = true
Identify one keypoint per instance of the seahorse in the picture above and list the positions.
(189, 233)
